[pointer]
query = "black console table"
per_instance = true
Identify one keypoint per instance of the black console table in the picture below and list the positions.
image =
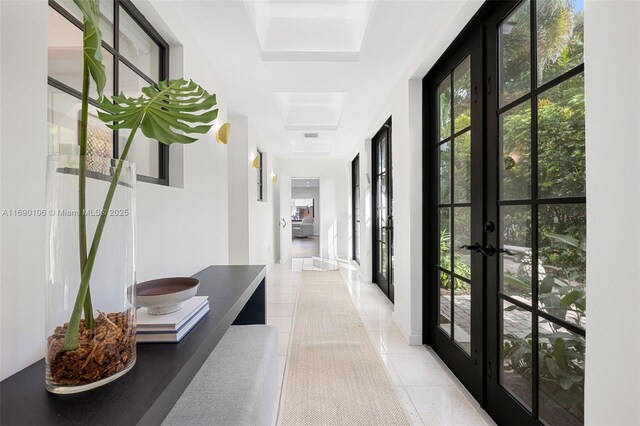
(146, 394)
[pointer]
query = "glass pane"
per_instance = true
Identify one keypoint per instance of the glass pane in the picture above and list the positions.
(444, 248)
(144, 152)
(560, 37)
(462, 236)
(444, 161)
(515, 151)
(383, 252)
(138, 47)
(106, 17)
(462, 95)
(383, 155)
(516, 352)
(445, 301)
(462, 168)
(515, 236)
(563, 258)
(63, 113)
(444, 108)
(64, 58)
(561, 137)
(462, 314)
(515, 54)
(561, 380)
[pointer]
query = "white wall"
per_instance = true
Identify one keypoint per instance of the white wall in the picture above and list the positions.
(404, 105)
(612, 85)
(334, 193)
(238, 184)
(261, 213)
(180, 231)
(311, 193)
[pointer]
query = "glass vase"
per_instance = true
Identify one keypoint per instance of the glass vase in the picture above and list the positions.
(90, 306)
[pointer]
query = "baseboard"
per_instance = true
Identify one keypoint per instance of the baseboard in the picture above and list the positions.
(415, 340)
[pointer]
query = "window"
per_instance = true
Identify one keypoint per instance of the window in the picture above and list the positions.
(260, 176)
(134, 56)
(355, 213)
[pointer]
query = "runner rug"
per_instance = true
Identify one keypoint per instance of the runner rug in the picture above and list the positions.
(334, 376)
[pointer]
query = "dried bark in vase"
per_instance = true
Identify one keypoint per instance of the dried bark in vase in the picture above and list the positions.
(102, 352)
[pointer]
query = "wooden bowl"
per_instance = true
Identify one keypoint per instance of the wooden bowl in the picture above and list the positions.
(165, 295)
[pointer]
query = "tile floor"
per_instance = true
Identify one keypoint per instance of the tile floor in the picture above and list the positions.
(429, 392)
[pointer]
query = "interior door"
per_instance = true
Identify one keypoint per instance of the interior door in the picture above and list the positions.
(383, 211)
(285, 218)
(455, 271)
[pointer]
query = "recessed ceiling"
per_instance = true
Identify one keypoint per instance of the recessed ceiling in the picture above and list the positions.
(310, 29)
(311, 146)
(339, 100)
(310, 111)
(305, 183)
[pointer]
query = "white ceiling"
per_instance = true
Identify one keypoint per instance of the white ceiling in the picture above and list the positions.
(305, 183)
(312, 66)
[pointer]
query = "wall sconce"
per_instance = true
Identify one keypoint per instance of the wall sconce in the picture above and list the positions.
(274, 178)
(256, 162)
(222, 135)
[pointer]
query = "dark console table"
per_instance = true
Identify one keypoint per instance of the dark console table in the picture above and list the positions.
(146, 394)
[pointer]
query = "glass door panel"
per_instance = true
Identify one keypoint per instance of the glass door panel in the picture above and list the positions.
(382, 208)
(540, 210)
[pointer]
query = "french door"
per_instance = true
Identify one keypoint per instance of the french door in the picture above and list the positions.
(383, 210)
(507, 217)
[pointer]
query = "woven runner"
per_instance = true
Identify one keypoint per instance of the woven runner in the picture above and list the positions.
(334, 376)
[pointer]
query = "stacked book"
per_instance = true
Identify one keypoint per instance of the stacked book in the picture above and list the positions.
(171, 328)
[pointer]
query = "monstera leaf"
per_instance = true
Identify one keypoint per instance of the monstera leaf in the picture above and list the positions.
(92, 50)
(166, 113)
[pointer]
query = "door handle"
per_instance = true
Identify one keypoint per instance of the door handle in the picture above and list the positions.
(284, 223)
(487, 250)
(475, 248)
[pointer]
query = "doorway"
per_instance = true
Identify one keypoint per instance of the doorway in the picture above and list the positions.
(382, 201)
(505, 210)
(305, 217)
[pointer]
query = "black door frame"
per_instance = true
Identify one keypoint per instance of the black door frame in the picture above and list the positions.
(386, 287)
(500, 404)
(467, 367)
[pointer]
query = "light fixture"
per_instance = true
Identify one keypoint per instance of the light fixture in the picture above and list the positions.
(274, 178)
(256, 162)
(222, 135)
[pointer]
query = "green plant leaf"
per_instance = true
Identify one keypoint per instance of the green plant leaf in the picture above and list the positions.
(511, 279)
(572, 297)
(92, 42)
(552, 366)
(566, 239)
(168, 113)
(547, 284)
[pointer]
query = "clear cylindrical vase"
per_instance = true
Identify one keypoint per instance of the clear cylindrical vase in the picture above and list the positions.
(90, 302)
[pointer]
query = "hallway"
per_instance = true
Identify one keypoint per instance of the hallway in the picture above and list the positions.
(305, 247)
(427, 390)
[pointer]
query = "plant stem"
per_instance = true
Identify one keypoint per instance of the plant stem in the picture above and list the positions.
(82, 192)
(71, 337)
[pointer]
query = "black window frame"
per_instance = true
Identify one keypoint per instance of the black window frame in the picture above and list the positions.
(145, 25)
(355, 212)
(260, 177)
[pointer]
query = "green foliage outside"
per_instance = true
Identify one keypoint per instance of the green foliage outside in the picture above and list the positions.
(561, 173)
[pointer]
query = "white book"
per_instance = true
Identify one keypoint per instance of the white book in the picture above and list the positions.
(173, 337)
(173, 321)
